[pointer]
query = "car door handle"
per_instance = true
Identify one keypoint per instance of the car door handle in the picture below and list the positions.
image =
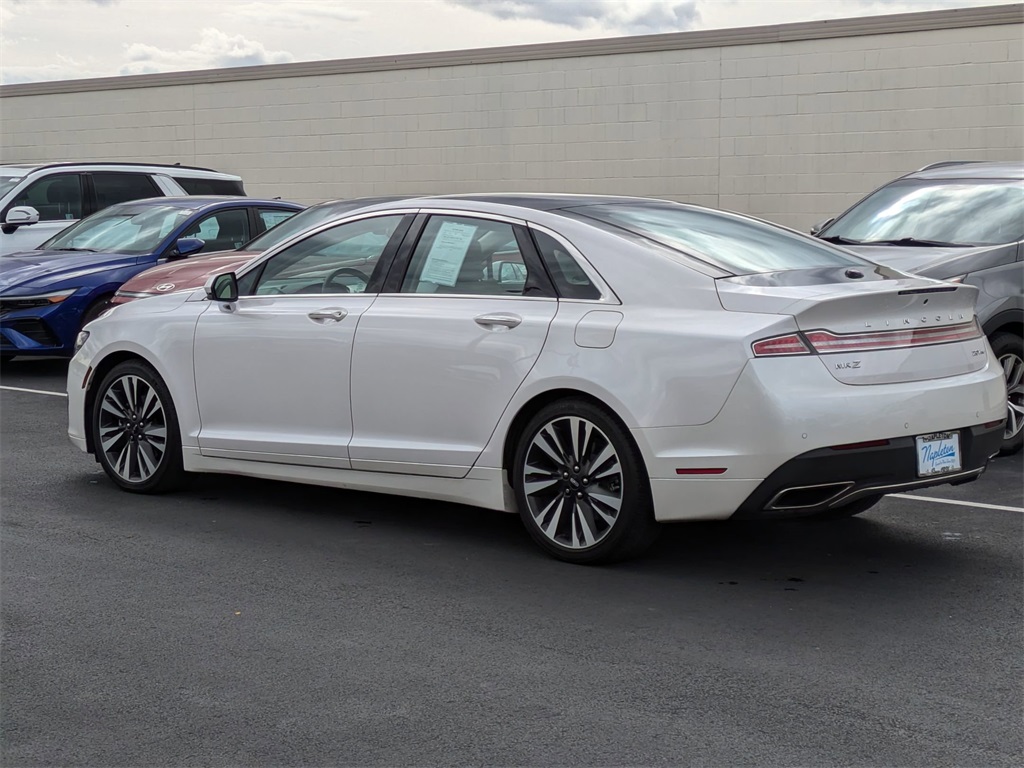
(321, 315)
(494, 322)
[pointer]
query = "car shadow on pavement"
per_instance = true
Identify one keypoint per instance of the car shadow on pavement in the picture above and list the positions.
(878, 552)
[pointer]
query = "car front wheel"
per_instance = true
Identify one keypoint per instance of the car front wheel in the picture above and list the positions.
(581, 486)
(135, 430)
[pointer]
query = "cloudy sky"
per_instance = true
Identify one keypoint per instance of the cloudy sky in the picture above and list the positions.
(65, 39)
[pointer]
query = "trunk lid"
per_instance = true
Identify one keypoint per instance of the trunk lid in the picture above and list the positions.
(881, 327)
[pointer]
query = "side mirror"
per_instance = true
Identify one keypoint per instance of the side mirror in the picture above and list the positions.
(20, 216)
(816, 229)
(222, 287)
(186, 246)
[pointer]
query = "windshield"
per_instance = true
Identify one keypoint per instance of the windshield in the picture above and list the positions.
(300, 222)
(7, 183)
(121, 230)
(970, 212)
(735, 244)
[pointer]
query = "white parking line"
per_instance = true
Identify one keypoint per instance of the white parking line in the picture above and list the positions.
(959, 503)
(35, 391)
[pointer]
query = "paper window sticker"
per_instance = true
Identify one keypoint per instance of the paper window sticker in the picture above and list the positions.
(444, 261)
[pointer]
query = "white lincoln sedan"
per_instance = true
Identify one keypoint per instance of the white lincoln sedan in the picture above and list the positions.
(598, 364)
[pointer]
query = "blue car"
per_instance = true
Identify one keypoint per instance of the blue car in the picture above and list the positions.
(47, 295)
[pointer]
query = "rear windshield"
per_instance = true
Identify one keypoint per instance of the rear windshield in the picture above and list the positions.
(732, 243)
(211, 186)
(961, 212)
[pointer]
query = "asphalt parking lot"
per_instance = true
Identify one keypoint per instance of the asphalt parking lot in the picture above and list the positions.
(254, 623)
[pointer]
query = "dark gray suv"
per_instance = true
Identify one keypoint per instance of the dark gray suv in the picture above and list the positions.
(958, 221)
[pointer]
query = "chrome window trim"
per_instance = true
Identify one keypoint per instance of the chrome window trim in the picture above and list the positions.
(298, 237)
(607, 294)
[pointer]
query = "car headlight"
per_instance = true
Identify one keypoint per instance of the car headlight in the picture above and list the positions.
(11, 303)
(80, 339)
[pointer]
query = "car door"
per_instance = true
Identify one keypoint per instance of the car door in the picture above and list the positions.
(439, 356)
(60, 200)
(272, 368)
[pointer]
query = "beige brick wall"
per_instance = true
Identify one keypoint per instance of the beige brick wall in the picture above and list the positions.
(790, 131)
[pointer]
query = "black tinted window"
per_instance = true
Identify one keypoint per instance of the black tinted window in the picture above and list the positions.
(57, 197)
(112, 188)
(570, 279)
(211, 186)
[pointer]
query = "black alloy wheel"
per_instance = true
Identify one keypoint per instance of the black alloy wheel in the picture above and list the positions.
(581, 486)
(135, 431)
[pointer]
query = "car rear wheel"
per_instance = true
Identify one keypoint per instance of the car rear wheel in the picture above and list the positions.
(581, 486)
(135, 430)
(1009, 351)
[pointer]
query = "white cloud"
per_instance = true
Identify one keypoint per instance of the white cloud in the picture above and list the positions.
(295, 14)
(623, 15)
(215, 49)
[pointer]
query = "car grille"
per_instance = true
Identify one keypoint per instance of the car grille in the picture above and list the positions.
(36, 330)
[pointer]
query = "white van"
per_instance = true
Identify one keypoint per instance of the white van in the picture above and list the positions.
(39, 200)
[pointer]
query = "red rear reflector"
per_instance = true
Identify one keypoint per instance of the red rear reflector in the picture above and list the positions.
(865, 444)
(990, 424)
(826, 341)
(790, 344)
(701, 471)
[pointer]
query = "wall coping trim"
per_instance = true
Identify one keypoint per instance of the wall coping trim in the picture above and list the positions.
(920, 21)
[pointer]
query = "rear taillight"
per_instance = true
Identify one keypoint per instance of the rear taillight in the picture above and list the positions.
(790, 344)
(825, 342)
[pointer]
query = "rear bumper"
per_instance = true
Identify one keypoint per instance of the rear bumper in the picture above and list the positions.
(829, 478)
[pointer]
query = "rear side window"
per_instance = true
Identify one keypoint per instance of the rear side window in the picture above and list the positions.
(112, 188)
(733, 243)
(210, 186)
(271, 218)
(57, 197)
(570, 279)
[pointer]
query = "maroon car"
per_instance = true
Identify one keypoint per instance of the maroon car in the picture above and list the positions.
(189, 274)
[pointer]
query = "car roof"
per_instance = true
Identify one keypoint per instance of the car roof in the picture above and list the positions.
(201, 202)
(971, 169)
(192, 171)
(543, 201)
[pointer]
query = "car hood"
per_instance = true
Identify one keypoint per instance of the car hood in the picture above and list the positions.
(186, 273)
(28, 271)
(937, 263)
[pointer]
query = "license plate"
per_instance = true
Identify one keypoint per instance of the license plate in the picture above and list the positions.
(938, 454)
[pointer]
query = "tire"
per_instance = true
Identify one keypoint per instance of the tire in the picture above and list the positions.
(567, 488)
(94, 310)
(1009, 352)
(847, 510)
(131, 414)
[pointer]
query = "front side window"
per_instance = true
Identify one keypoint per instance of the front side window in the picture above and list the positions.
(113, 188)
(968, 212)
(121, 229)
(462, 255)
(732, 243)
(57, 197)
(338, 260)
(222, 231)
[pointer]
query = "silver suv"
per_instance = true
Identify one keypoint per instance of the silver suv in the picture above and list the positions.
(38, 201)
(963, 222)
